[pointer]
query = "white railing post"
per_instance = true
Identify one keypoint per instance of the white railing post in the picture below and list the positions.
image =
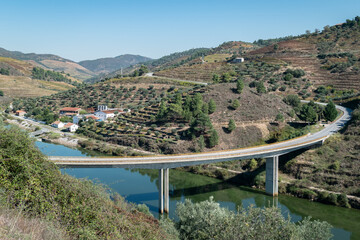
(166, 192)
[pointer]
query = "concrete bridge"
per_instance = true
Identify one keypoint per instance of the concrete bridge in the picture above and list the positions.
(270, 152)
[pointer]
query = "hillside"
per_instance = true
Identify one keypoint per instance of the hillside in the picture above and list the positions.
(17, 80)
(36, 187)
(107, 65)
(145, 129)
(330, 57)
(52, 62)
(333, 167)
(174, 59)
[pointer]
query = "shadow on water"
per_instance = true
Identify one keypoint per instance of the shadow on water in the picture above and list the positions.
(183, 185)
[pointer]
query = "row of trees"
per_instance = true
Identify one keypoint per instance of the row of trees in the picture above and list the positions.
(312, 112)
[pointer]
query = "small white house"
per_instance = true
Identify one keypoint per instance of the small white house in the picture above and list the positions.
(57, 124)
(103, 115)
(238, 60)
(71, 127)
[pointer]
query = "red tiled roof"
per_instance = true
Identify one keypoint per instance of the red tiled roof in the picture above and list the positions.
(93, 117)
(56, 122)
(20, 111)
(70, 109)
(109, 111)
(69, 125)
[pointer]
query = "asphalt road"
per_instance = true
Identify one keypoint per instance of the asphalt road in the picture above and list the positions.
(173, 161)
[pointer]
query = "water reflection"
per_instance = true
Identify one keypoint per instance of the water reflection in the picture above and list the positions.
(141, 186)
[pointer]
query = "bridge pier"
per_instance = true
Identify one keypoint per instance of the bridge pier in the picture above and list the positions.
(164, 190)
(161, 191)
(272, 175)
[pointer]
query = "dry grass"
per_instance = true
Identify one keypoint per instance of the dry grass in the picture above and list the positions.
(14, 225)
(72, 68)
(20, 86)
(57, 86)
(217, 58)
(21, 66)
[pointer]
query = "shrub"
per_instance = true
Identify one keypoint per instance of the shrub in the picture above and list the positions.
(279, 118)
(335, 166)
(235, 105)
(207, 220)
(292, 100)
(332, 198)
(253, 164)
(343, 200)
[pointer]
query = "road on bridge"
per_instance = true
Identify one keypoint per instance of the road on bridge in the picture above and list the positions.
(173, 161)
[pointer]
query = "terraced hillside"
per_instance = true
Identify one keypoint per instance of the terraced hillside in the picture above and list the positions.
(330, 57)
(202, 72)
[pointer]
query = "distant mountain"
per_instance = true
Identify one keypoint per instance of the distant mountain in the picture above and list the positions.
(50, 62)
(107, 65)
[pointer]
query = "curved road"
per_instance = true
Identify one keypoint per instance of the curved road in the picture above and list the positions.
(173, 161)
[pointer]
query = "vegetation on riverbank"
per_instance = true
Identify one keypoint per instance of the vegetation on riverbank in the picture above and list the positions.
(34, 194)
(32, 184)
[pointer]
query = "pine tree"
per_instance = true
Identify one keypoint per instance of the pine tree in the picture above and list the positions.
(213, 138)
(162, 110)
(308, 114)
(236, 104)
(212, 106)
(330, 112)
(201, 143)
(239, 85)
(260, 88)
(231, 125)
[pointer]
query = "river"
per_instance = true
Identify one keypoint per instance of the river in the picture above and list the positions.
(140, 186)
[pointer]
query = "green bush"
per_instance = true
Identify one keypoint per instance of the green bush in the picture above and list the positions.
(343, 201)
(332, 199)
(207, 220)
(29, 180)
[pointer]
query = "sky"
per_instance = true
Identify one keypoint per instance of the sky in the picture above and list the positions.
(88, 29)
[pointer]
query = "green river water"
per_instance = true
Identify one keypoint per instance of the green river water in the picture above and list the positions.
(140, 186)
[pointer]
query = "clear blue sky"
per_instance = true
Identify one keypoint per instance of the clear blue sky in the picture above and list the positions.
(81, 30)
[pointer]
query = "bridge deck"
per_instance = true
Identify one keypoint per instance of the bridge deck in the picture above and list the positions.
(173, 161)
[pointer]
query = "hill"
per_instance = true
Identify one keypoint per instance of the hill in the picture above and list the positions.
(17, 80)
(330, 57)
(174, 59)
(107, 65)
(50, 62)
(144, 128)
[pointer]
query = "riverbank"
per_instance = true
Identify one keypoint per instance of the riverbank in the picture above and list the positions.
(72, 140)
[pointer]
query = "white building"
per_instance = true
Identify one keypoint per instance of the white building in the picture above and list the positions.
(104, 115)
(71, 127)
(57, 124)
(238, 60)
